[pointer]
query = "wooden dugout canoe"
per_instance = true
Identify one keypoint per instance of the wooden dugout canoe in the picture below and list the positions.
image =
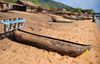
(62, 20)
(51, 44)
(72, 18)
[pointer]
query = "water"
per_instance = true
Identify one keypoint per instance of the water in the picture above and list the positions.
(98, 23)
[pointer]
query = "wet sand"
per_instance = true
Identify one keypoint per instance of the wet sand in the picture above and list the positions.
(98, 23)
(81, 31)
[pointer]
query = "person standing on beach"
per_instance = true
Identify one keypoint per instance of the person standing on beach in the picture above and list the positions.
(93, 18)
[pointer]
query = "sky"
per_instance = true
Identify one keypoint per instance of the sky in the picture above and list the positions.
(84, 4)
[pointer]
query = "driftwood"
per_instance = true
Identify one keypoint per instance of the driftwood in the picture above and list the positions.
(51, 44)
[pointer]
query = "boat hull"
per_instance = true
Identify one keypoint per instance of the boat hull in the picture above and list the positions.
(62, 20)
(51, 44)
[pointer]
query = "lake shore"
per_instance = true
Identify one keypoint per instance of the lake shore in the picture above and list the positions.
(96, 33)
(81, 31)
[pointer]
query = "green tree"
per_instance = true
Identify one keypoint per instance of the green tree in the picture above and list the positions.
(78, 9)
(72, 9)
(89, 11)
(55, 8)
(50, 7)
(46, 6)
(35, 2)
(68, 9)
(11, 1)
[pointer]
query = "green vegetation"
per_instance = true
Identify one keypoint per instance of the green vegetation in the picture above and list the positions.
(68, 9)
(10, 1)
(43, 3)
(89, 11)
(33, 1)
(78, 9)
(72, 9)
(53, 4)
(50, 7)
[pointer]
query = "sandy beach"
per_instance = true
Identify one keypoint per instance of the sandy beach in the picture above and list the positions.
(80, 31)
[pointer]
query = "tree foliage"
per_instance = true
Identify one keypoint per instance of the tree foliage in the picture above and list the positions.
(50, 7)
(11, 1)
(78, 9)
(68, 9)
(72, 9)
(35, 2)
(46, 6)
(53, 4)
(89, 11)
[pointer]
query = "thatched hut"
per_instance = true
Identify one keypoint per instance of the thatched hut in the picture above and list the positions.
(52, 11)
(59, 9)
(41, 9)
(29, 6)
(4, 6)
(45, 9)
(18, 7)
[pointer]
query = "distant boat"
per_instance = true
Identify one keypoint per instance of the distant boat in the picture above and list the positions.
(61, 20)
(77, 18)
(72, 18)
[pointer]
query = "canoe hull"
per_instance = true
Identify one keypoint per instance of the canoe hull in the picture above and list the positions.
(62, 20)
(71, 18)
(50, 44)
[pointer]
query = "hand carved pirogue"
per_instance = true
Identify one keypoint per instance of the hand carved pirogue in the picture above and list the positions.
(50, 44)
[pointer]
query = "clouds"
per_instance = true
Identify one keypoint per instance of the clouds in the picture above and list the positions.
(84, 4)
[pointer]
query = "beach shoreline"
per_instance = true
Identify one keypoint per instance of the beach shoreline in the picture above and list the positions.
(97, 34)
(81, 31)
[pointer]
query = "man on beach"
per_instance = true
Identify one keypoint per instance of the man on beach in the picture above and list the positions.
(93, 18)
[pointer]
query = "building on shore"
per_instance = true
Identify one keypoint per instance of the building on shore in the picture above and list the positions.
(41, 9)
(4, 6)
(26, 6)
(60, 9)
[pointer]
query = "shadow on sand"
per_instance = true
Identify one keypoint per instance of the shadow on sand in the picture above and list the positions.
(8, 35)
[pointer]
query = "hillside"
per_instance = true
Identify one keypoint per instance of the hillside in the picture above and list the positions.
(53, 4)
(43, 3)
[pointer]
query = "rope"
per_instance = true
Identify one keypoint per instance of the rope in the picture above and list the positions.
(94, 46)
